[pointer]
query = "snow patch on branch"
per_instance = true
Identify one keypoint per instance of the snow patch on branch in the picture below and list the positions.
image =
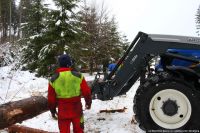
(34, 36)
(46, 49)
(62, 34)
(58, 23)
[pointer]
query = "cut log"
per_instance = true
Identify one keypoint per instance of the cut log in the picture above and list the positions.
(18, 111)
(24, 129)
(113, 110)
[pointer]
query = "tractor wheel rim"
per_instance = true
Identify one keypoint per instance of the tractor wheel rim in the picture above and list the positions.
(181, 106)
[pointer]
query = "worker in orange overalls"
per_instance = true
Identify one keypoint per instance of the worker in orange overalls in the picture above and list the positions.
(65, 90)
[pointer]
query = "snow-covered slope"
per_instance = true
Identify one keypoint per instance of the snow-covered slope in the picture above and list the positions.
(15, 85)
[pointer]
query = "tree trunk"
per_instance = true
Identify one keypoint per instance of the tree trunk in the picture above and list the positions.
(18, 111)
(23, 129)
(20, 20)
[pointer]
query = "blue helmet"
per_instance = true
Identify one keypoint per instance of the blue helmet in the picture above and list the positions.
(64, 60)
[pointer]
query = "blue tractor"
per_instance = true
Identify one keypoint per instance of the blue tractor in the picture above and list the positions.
(194, 54)
(168, 97)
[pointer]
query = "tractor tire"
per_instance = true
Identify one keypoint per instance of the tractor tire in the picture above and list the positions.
(164, 103)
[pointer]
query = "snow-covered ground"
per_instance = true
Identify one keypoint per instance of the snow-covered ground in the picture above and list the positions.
(15, 85)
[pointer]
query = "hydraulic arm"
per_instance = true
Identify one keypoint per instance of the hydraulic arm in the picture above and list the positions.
(134, 62)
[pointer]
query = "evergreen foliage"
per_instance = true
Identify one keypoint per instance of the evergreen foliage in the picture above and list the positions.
(103, 42)
(62, 31)
(5, 18)
(32, 40)
(25, 10)
(14, 17)
(86, 34)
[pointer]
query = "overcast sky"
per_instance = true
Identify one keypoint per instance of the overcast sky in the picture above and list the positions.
(175, 17)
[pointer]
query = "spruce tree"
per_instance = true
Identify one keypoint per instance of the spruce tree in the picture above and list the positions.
(102, 42)
(62, 32)
(24, 14)
(33, 40)
(89, 43)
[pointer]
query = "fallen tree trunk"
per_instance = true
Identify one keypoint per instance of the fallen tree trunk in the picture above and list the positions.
(24, 129)
(18, 111)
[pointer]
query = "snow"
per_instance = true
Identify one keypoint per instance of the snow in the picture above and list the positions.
(6, 54)
(50, 4)
(46, 49)
(68, 13)
(34, 36)
(62, 34)
(16, 84)
(58, 23)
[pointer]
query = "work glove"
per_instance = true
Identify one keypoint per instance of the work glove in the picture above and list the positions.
(54, 113)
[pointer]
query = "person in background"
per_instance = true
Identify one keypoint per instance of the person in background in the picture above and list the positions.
(65, 90)
(111, 66)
